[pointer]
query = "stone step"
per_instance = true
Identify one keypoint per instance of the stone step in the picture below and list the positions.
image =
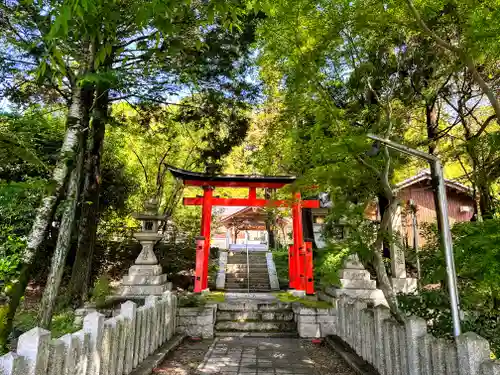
(244, 260)
(244, 274)
(252, 264)
(245, 290)
(245, 285)
(278, 326)
(283, 315)
(243, 268)
(254, 306)
(256, 334)
(244, 279)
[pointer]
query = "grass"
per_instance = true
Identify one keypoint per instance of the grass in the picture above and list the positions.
(286, 297)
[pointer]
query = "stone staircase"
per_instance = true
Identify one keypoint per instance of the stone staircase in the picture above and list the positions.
(257, 319)
(237, 273)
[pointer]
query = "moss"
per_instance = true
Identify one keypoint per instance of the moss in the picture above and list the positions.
(194, 300)
(215, 297)
(286, 297)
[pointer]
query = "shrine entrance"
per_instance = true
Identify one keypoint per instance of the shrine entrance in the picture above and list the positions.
(300, 256)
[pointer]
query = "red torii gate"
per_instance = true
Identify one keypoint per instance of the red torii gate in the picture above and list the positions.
(300, 252)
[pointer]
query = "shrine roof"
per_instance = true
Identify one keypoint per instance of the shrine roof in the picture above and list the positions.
(230, 180)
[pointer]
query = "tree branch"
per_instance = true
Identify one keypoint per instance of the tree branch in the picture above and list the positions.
(466, 59)
(142, 165)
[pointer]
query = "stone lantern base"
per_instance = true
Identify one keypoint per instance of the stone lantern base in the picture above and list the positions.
(145, 277)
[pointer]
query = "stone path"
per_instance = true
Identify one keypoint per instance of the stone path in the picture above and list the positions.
(271, 356)
(185, 359)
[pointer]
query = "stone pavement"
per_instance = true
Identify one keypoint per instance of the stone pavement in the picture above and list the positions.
(271, 356)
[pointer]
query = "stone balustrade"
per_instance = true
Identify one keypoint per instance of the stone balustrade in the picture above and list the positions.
(103, 347)
(197, 321)
(314, 322)
(407, 349)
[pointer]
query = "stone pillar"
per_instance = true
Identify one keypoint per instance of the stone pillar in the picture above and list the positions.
(145, 276)
(398, 265)
(56, 357)
(491, 368)
(425, 355)
(472, 351)
(34, 347)
(414, 328)
(93, 324)
(11, 364)
(380, 314)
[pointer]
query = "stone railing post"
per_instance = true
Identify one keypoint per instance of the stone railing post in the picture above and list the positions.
(424, 354)
(340, 317)
(451, 359)
(141, 333)
(381, 347)
(11, 364)
(56, 357)
(472, 351)
(34, 347)
(170, 313)
(121, 341)
(414, 329)
(359, 306)
(152, 321)
(395, 353)
(491, 368)
(129, 312)
(93, 324)
(438, 352)
(106, 349)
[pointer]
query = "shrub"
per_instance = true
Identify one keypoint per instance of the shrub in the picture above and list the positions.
(101, 291)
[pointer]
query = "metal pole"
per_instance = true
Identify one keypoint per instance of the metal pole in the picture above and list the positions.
(448, 248)
(446, 239)
(248, 263)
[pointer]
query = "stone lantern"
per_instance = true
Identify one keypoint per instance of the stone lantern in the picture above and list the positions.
(145, 277)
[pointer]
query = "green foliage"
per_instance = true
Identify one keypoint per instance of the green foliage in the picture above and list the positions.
(280, 257)
(101, 291)
(327, 264)
(434, 307)
(18, 202)
(477, 260)
(477, 254)
(62, 322)
(28, 144)
(189, 299)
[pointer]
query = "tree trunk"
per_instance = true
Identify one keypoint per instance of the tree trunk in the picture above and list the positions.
(81, 272)
(486, 203)
(63, 242)
(46, 210)
(432, 136)
(384, 281)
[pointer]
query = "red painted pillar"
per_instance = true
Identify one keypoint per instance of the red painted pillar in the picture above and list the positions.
(291, 266)
(309, 268)
(206, 221)
(298, 240)
(200, 259)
